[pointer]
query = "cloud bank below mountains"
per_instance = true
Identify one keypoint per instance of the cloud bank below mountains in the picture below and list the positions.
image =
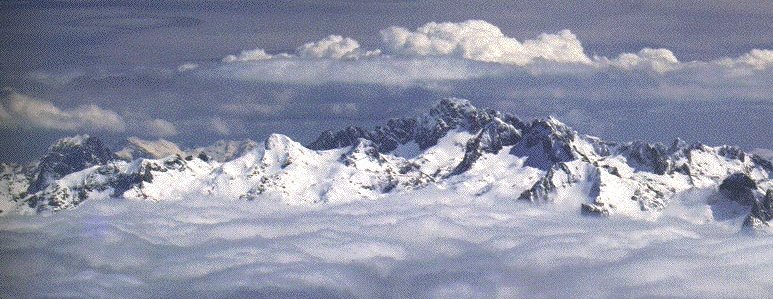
(431, 244)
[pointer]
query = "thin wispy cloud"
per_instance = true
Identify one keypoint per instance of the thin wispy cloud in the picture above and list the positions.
(22, 110)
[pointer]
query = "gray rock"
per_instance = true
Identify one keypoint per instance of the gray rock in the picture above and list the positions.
(739, 187)
(69, 155)
(761, 214)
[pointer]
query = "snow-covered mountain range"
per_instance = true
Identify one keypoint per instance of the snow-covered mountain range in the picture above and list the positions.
(453, 146)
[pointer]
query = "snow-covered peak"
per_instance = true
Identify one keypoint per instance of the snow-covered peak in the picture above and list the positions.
(547, 142)
(281, 151)
(452, 108)
(551, 126)
(451, 114)
(68, 155)
(453, 146)
(279, 142)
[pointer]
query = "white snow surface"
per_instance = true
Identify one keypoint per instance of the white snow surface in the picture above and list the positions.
(431, 243)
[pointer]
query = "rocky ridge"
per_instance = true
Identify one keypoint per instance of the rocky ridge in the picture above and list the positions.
(454, 145)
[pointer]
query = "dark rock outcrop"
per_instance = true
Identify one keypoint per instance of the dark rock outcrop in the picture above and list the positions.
(651, 157)
(546, 143)
(426, 130)
(739, 187)
(491, 139)
(69, 155)
(761, 214)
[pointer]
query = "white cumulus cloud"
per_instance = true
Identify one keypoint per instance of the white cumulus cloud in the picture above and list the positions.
(330, 47)
(477, 41)
(248, 55)
(482, 41)
(756, 59)
(336, 47)
(659, 60)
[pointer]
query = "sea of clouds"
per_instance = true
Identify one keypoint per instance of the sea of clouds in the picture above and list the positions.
(429, 244)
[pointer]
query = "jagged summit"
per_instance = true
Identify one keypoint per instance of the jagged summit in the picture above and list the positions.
(68, 155)
(454, 145)
(425, 130)
(547, 142)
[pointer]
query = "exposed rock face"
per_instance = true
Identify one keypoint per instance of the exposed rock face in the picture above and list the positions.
(646, 156)
(425, 130)
(362, 149)
(495, 135)
(14, 182)
(346, 137)
(561, 176)
(69, 155)
(762, 212)
(452, 114)
(547, 142)
(740, 188)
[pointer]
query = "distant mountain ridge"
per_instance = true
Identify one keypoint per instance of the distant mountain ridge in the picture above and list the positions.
(479, 152)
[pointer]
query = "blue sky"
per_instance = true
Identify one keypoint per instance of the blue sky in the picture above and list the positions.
(159, 69)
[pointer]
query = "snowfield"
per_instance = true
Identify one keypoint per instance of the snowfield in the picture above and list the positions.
(431, 243)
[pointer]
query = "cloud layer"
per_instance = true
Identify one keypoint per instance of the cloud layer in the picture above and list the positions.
(22, 110)
(336, 47)
(433, 244)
